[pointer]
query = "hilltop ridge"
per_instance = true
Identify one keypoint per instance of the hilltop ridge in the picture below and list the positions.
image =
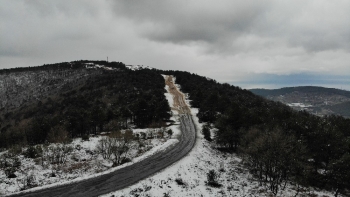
(317, 100)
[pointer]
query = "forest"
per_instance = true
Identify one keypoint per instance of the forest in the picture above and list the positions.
(106, 101)
(277, 143)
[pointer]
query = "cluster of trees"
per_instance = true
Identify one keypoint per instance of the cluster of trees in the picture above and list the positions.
(279, 144)
(108, 101)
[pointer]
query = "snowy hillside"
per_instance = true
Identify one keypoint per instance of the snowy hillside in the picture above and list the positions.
(188, 177)
(80, 159)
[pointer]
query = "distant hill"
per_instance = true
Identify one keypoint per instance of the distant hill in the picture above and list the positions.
(341, 108)
(304, 89)
(318, 100)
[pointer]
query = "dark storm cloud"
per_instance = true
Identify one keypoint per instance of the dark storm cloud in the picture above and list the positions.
(313, 25)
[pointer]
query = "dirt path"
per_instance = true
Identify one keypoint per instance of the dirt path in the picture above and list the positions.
(130, 175)
(179, 98)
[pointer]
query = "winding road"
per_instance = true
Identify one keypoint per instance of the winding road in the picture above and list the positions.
(129, 175)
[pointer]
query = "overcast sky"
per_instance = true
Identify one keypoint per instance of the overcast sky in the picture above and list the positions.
(262, 43)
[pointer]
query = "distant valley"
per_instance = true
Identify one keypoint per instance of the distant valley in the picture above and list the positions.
(317, 100)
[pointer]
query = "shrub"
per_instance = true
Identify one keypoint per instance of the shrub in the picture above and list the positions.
(10, 172)
(212, 177)
(166, 194)
(78, 147)
(125, 160)
(52, 174)
(143, 135)
(9, 165)
(15, 150)
(58, 154)
(136, 192)
(170, 133)
(75, 167)
(179, 181)
(85, 137)
(33, 152)
(27, 182)
(206, 132)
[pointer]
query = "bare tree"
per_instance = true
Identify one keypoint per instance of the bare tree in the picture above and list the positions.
(116, 146)
(58, 154)
(121, 145)
(103, 147)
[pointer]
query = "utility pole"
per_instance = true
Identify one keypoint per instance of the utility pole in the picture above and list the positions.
(107, 58)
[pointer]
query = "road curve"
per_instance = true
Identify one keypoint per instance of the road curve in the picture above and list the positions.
(131, 174)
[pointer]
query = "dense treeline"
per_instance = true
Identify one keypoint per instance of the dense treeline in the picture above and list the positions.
(108, 101)
(279, 144)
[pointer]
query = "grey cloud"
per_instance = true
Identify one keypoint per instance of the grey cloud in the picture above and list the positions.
(223, 40)
(220, 23)
(65, 8)
(43, 28)
(185, 21)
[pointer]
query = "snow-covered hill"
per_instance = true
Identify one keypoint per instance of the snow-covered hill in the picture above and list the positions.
(188, 177)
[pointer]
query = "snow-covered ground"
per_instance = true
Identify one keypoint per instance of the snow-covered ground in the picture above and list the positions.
(188, 176)
(82, 162)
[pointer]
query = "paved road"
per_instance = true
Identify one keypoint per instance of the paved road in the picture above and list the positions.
(131, 174)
